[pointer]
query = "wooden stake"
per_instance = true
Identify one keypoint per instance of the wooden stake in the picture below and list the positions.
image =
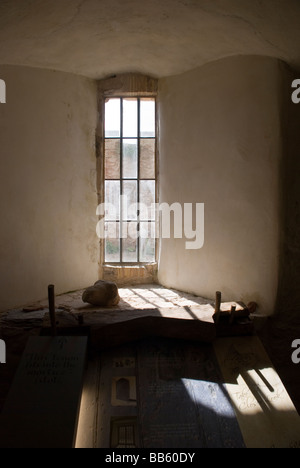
(232, 314)
(218, 306)
(51, 300)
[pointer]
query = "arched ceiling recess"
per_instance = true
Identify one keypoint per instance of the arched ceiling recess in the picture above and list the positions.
(97, 38)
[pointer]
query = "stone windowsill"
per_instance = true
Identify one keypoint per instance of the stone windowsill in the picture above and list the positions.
(130, 274)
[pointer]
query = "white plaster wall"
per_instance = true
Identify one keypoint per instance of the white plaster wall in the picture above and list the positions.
(48, 184)
(220, 144)
(289, 291)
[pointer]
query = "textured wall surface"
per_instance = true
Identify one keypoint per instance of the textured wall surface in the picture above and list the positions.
(160, 38)
(221, 145)
(48, 184)
(289, 290)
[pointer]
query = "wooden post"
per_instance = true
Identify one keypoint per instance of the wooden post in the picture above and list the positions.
(232, 314)
(51, 299)
(218, 306)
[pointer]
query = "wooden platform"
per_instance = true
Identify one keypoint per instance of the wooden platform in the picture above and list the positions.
(169, 323)
(42, 407)
(113, 327)
(163, 393)
(143, 311)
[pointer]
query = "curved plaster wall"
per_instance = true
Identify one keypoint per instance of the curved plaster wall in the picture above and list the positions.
(221, 145)
(48, 184)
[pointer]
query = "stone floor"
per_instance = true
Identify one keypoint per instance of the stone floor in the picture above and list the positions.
(136, 297)
(16, 326)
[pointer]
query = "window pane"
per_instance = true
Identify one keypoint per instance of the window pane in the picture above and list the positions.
(112, 118)
(130, 118)
(129, 242)
(147, 124)
(112, 242)
(130, 166)
(129, 169)
(112, 159)
(112, 200)
(147, 242)
(147, 199)
(147, 158)
(129, 200)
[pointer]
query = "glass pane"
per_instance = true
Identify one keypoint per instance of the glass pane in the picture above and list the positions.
(130, 118)
(130, 167)
(112, 200)
(147, 118)
(112, 159)
(129, 242)
(112, 118)
(147, 242)
(147, 199)
(129, 200)
(147, 158)
(112, 242)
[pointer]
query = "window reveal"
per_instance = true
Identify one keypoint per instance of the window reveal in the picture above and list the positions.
(130, 185)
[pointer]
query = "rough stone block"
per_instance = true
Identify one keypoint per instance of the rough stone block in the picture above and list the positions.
(103, 293)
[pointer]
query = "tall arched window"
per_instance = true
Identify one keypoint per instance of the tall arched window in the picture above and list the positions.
(128, 150)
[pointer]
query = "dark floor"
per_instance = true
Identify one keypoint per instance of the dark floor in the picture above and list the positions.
(277, 336)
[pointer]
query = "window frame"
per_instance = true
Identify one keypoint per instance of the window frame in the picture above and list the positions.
(139, 96)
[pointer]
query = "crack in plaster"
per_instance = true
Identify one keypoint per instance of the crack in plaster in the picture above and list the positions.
(68, 22)
(245, 21)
